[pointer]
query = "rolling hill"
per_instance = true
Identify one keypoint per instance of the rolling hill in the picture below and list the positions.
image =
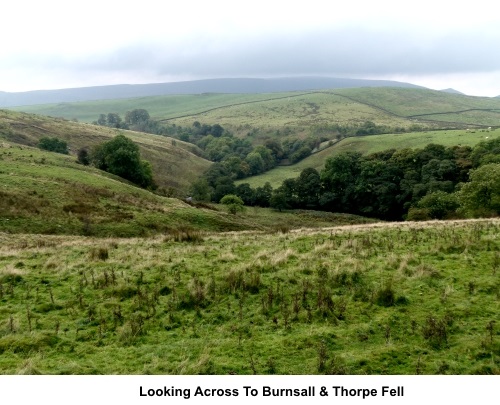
(175, 163)
(300, 111)
(232, 85)
(371, 144)
(260, 116)
(49, 193)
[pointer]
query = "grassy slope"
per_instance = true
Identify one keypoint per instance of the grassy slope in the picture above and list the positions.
(390, 106)
(372, 144)
(159, 107)
(43, 192)
(414, 102)
(349, 300)
(174, 162)
(297, 113)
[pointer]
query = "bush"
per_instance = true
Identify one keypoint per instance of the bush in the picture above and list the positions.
(121, 157)
(53, 145)
(233, 202)
(83, 157)
(439, 204)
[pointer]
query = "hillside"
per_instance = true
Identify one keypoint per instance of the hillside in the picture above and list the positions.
(299, 112)
(396, 107)
(372, 144)
(258, 117)
(49, 193)
(430, 105)
(175, 163)
(44, 192)
(232, 85)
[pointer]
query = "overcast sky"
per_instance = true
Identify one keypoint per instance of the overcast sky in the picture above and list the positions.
(438, 44)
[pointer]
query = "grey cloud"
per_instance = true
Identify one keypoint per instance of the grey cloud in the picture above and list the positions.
(350, 51)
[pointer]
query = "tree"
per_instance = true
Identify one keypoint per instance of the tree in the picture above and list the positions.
(217, 130)
(114, 120)
(246, 193)
(102, 120)
(439, 204)
(200, 190)
(263, 195)
(83, 156)
(255, 163)
(120, 156)
(233, 202)
(481, 195)
(339, 181)
(136, 116)
(308, 186)
(53, 145)
(278, 200)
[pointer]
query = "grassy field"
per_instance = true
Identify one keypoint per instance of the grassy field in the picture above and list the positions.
(415, 102)
(299, 114)
(298, 110)
(159, 107)
(346, 300)
(372, 144)
(175, 163)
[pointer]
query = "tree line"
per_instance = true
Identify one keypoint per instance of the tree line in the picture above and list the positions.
(433, 182)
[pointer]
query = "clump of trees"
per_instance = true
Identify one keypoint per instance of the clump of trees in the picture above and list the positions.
(53, 145)
(120, 156)
(435, 182)
(238, 157)
(233, 203)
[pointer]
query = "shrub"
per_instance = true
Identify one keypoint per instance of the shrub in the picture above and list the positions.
(53, 145)
(121, 157)
(386, 297)
(83, 157)
(233, 202)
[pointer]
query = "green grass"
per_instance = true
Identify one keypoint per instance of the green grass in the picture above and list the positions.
(372, 144)
(159, 107)
(44, 192)
(414, 102)
(175, 163)
(351, 300)
(297, 111)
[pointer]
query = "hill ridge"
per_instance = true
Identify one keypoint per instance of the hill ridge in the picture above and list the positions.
(224, 85)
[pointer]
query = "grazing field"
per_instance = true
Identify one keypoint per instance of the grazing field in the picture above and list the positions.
(412, 103)
(159, 107)
(298, 111)
(371, 144)
(401, 298)
(43, 192)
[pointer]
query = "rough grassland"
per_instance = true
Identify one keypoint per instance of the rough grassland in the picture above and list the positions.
(382, 299)
(44, 192)
(175, 163)
(299, 110)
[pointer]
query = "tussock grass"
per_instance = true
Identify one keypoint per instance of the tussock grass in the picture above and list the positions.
(372, 299)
